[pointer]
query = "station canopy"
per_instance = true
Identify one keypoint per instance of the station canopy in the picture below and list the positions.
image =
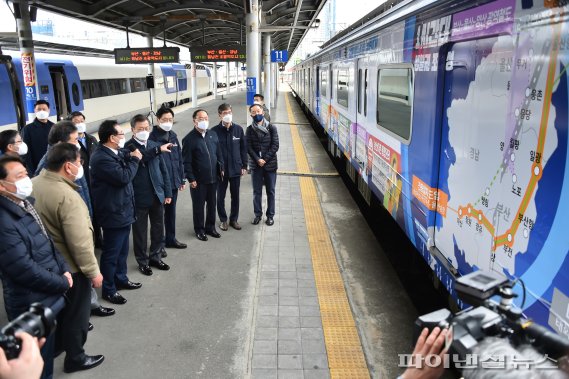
(196, 23)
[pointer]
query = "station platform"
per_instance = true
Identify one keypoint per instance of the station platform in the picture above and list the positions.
(312, 296)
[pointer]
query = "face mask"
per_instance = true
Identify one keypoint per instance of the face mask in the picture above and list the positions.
(80, 171)
(143, 135)
(24, 188)
(42, 115)
(23, 148)
(227, 118)
(81, 127)
(166, 126)
(121, 143)
(258, 117)
(78, 145)
(203, 125)
(257, 102)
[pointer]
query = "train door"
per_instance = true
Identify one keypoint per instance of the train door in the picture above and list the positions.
(359, 136)
(12, 112)
(477, 200)
(317, 91)
(61, 93)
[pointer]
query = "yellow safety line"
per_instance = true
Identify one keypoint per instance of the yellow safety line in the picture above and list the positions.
(345, 354)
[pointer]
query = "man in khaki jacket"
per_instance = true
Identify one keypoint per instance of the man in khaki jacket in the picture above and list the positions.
(67, 220)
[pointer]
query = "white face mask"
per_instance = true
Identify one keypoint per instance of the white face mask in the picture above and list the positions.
(24, 188)
(143, 135)
(23, 148)
(78, 145)
(166, 126)
(42, 115)
(228, 118)
(81, 127)
(80, 171)
(121, 142)
(203, 125)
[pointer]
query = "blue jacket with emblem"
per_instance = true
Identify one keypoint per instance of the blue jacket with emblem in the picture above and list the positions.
(202, 157)
(173, 159)
(233, 148)
(152, 177)
(111, 185)
(30, 266)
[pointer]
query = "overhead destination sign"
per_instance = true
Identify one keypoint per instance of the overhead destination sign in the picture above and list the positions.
(231, 53)
(147, 55)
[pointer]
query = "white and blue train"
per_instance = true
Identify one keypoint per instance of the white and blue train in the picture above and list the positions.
(453, 115)
(97, 87)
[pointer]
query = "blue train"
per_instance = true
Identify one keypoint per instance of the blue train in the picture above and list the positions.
(453, 115)
(95, 86)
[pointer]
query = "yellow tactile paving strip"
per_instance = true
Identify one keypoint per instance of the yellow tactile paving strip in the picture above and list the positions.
(345, 355)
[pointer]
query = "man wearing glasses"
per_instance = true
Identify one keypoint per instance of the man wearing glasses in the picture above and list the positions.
(112, 172)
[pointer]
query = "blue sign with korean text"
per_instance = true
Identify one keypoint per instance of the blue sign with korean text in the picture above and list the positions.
(251, 89)
(279, 56)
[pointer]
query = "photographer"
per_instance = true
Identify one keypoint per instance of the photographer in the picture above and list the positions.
(28, 365)
(428, 345)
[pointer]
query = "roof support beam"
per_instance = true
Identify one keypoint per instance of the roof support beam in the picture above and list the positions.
(278, 28)
(298, 6)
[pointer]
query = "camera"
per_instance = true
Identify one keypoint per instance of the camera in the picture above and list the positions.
(487, 317)
(39, 321)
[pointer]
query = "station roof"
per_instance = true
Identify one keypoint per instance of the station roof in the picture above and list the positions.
(196, 22)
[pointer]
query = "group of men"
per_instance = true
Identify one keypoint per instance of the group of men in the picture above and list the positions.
(86, 193)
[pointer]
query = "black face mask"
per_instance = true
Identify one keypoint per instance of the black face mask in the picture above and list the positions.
(258, 117)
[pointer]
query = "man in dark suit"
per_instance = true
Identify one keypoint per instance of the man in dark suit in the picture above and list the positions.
(163, 133)
(262, 146)
(112, 172)
(151, 190)
(35, 135)
(203, 162)
(32, 270)
(234, 150)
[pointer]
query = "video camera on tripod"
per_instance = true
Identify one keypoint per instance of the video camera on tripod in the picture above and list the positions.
(39, 321)
(489, 318)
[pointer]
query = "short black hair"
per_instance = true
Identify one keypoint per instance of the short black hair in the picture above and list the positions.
(259, 95)
(223, 107)
(136, 119)
(59, 155)
(107, 129)
(39, 102)
(60, 132)
(198, 111)
(162, 111)
(75, 114)
(7, 137)
(255, 105)
(4, 160)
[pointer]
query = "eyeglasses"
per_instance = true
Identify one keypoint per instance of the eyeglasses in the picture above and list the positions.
(119, 134)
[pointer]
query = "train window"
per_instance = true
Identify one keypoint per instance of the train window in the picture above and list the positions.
(359, 91)
(323, 83)
(342, 89)
(395, 100)
(365, 93)
(137, 84)
(85, 89)
(170, 82)
(75, 94)
(44, 90)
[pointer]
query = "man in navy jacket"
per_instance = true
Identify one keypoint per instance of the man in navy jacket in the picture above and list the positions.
(203, 162)
(163, 133)
(151, 186)
(32, 270)
(112, 171)
(35, 135)
(234, 150)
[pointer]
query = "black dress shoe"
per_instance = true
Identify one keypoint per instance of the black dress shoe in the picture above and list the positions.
(115, 298)
(256, 220)
(177, 245)
(163, 253)
(88, 362)
(145, 270)
(160, 265)
(102, 311)
(235, 225)
(91, 327)
(214, 234)
(270, 221)
(129, 285)
(201, 236)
